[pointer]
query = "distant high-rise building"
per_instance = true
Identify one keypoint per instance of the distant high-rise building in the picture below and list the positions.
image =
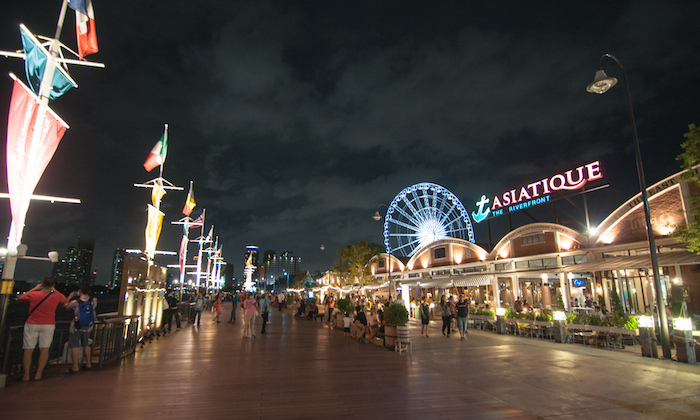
(229, 280)
(117, 268)
(276, 271)
(75, 267)
(266, 268)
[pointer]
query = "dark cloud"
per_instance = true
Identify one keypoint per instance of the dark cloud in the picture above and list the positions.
(295, 120)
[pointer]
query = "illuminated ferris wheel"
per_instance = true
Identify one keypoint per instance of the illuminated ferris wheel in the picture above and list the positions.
(421, 214)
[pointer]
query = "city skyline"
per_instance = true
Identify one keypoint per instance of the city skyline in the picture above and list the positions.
(298, 120)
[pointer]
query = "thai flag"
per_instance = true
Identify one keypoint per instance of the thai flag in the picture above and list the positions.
(84, 26)
(198, 222)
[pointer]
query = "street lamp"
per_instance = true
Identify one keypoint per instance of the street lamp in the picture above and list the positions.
(392, 288)
(323, 248)
(601, 84)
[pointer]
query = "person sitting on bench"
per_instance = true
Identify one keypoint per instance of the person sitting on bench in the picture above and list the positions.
(302, 308)
(313, 311)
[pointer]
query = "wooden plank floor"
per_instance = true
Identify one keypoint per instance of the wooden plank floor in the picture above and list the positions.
(303, 369)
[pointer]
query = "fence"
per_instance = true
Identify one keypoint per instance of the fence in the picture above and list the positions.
(112, 338)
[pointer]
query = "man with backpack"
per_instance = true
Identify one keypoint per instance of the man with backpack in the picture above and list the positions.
(80, 328)
(40, 325)
(172, 310)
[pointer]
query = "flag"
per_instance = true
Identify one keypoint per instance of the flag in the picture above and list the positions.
(209, 235)
(35, 58)
(84, 26)
(198, 222)
(155, 222)
(28, 152)
(158, 153)
(189, 203)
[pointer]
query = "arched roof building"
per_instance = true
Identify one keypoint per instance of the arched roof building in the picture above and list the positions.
(540, 260)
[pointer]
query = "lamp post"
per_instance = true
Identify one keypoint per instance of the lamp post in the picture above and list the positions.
(601, 84)
(323, 248)
(392, 287)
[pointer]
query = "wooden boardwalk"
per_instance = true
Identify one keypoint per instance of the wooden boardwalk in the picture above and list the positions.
(305, 370)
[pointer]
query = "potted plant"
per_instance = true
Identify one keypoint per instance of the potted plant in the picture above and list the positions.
(395, 317)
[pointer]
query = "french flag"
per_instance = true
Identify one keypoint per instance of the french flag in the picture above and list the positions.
(84, 26)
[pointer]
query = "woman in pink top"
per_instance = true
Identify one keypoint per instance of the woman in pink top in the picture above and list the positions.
(250, 305)
(217, 308)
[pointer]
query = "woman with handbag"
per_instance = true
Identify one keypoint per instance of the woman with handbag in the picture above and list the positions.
(40, 325)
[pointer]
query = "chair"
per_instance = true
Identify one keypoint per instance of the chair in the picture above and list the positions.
(400, 346)
(402, 340)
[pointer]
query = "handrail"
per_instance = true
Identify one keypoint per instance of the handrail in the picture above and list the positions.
(113, 337)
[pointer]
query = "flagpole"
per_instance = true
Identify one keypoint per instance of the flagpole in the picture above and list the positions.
(10, 263)
(183, 257)
(199, 254)
(61, 19)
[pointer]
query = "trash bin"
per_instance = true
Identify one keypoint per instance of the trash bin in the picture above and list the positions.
(685, 346)
(647, 339)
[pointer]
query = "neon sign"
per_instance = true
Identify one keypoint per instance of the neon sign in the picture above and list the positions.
(536, 193)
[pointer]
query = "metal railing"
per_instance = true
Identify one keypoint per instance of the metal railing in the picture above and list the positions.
(112, 338)
(115, 337)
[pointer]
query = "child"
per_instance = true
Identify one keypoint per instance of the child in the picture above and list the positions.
(347, 321)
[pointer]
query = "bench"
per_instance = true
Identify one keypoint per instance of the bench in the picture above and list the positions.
(321, 313)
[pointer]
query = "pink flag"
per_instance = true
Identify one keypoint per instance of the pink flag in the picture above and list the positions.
(183, 251)
(28, 153)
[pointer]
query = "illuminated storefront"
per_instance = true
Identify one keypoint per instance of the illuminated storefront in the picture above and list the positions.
(541, 261)
(142, 291)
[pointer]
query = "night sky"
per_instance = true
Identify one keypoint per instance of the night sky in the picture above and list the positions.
(296, 119)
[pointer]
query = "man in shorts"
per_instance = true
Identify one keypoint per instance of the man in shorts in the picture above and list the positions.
(80, 336)
(40, 325)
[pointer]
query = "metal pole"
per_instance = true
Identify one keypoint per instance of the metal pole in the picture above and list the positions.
(8, 272)
(660, 304)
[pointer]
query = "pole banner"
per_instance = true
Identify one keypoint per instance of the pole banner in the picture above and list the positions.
(183, 252)
(155, 221)
(27, 156)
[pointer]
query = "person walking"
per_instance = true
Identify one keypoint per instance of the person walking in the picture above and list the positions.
(462, 317)
(81, 326)
(217, 309)
(264, 311)
(173, 310)
(198, 308)
(234, 308)
(40, 325)
(424, 317)
(280, 301)
(249, 305)
(446, 316)
(331, 307)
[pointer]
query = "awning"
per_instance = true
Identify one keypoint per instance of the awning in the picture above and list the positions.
(474, 280)
(664, 259)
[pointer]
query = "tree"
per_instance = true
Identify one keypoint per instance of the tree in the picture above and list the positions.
(298, 279)
(353, 264)
(690, 158)
(616, 303)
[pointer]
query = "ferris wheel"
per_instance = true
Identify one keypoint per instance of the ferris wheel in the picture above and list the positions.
(421, 214)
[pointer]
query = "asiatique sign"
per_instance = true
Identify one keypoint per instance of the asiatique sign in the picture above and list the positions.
(538, 192)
